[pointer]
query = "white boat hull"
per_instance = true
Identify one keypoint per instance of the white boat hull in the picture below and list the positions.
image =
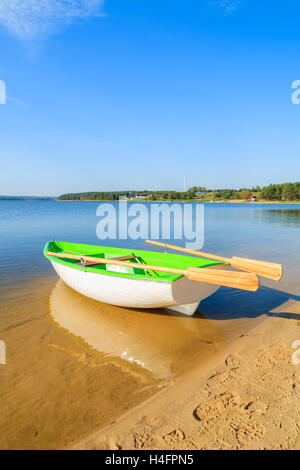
(182, 295)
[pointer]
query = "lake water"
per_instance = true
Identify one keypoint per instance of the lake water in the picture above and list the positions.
(65, 375)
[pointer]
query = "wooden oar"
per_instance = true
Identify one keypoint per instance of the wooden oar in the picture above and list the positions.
(262, 268)
(219, 277)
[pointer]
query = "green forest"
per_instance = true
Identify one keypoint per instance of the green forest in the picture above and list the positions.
(272, 192)
(115, 195)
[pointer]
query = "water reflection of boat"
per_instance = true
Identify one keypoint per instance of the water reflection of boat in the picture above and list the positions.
(162, 344)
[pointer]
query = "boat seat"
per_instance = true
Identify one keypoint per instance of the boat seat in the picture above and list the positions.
(118, 258)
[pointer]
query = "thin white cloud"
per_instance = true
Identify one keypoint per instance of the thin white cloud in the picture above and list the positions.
(29, 19)
(227, 6)
(14, 100)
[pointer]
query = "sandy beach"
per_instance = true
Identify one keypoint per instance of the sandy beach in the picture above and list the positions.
(65, 363)
(246, 397)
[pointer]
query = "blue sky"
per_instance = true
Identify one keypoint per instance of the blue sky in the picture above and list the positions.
(138, 94)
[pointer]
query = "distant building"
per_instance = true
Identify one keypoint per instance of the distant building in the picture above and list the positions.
(141, 196)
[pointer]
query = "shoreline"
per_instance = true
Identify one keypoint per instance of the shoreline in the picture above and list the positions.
(246, 397)
(236, 201)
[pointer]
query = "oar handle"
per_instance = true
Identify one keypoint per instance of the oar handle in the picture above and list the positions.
(118, 263)
(192, 252)
(207, 275)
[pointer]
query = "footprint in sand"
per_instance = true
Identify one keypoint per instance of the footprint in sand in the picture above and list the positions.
(212, 409)
(232, 362)
(246, 433)
(228, 398)
(219, 378)
(207, 411)
(144, 440)
(174, 436)
(256, 406)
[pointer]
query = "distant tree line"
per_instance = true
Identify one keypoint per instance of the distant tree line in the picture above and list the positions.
(198, 189)
(226, 194)
(277, 192)
(115, 195)
(94, 196)
(26, 198)
(272, 192)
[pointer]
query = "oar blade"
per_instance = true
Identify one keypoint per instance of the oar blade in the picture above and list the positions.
(236, 280)
(262, 268)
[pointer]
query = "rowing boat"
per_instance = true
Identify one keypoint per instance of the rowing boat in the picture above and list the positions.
(131, 287)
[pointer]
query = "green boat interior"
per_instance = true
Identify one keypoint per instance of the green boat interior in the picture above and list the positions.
(129, 255)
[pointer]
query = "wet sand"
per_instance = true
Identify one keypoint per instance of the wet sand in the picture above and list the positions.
(53, 389)
(75, 366)
(245, 397)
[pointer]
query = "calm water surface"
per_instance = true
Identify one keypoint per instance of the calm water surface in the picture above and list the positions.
(73, 364)
(270, 231)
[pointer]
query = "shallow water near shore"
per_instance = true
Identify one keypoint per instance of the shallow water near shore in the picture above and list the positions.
(74, 365)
